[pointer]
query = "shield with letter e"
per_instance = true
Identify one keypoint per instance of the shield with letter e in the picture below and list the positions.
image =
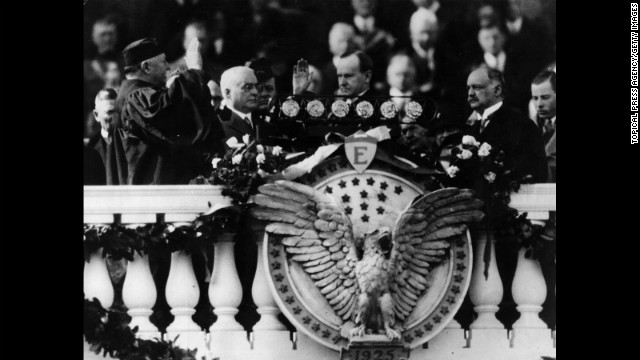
(360, 149)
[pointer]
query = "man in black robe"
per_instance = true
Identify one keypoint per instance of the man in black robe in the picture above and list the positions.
(170, 131)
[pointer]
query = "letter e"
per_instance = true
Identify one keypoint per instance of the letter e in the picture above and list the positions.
(357, 153)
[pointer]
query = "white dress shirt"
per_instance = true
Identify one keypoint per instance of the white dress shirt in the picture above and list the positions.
(484, 117)
(243, 116)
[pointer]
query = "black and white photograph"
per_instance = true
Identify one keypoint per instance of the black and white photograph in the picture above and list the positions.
(320, 179)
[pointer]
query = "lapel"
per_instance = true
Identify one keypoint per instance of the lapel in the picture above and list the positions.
(236, 124)
(496, 125)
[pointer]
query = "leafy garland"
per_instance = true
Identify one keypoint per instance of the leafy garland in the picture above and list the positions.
(120, 242)
(242, 170)
(107, 332)
(482, 167)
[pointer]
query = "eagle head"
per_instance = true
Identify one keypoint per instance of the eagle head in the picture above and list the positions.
(378, 239)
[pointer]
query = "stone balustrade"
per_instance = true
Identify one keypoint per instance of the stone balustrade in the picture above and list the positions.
(486, 338)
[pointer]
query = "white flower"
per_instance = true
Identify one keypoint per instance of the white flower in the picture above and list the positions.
(246, 138)
(470, 140)
(484, 150)
(260, 148)
(490, 177)
(465, 154)
(260, 158)
(452, 171)
(277, 150)
(215, 162)
(232, 142)
(237, 159)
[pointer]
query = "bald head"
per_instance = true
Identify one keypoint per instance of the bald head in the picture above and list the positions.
(239, 89)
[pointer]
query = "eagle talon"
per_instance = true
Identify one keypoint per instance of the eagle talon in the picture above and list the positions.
(392, 334)
(357, 331)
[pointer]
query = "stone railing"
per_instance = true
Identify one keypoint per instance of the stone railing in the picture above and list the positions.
(486, 338)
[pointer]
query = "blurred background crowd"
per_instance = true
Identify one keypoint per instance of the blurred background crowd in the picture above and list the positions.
(417, 46)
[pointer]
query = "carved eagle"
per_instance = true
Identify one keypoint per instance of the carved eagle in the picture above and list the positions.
(374, 281)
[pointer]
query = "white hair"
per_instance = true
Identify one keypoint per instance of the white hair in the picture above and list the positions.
(230, 78)
(422, 16)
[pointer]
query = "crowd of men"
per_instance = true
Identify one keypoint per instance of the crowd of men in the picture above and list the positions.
(160, 108)
(167, 82)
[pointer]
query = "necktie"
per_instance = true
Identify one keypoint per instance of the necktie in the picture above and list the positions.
(246, 119)
(549, 129)
(484, 123)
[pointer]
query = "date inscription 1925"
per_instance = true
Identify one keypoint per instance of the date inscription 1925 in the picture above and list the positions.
(374, 353)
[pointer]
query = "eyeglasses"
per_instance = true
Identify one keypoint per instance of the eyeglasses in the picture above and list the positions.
(248, 87)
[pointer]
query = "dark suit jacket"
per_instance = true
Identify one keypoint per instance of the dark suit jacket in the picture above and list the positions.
(93, 167)
(234, 125)
(113, 157)
(550, 149)
(520, 139)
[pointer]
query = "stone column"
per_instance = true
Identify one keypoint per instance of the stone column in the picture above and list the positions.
(267, 307)
(139, 294)
(97, 282)
(485, 294)
(225, 290)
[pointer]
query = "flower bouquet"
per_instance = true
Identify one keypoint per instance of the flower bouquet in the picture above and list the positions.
(245, 166)
(484, 168)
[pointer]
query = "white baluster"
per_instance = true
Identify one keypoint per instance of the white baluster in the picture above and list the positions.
(139, 293)
(267, 307)
(97, 282)
(182, 293)
(485, 294)
(529, 292)
(225, 290)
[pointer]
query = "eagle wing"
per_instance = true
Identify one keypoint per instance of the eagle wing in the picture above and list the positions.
(421, 239)
(317, 234)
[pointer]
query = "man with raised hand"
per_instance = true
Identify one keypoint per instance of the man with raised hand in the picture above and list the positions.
(171, 130)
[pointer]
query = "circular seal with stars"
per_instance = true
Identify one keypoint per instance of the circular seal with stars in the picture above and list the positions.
(290, 108)
(389, 109)
(372, 199)
(315, 108)
(364, 109)
(413, 110)
(340, 108)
